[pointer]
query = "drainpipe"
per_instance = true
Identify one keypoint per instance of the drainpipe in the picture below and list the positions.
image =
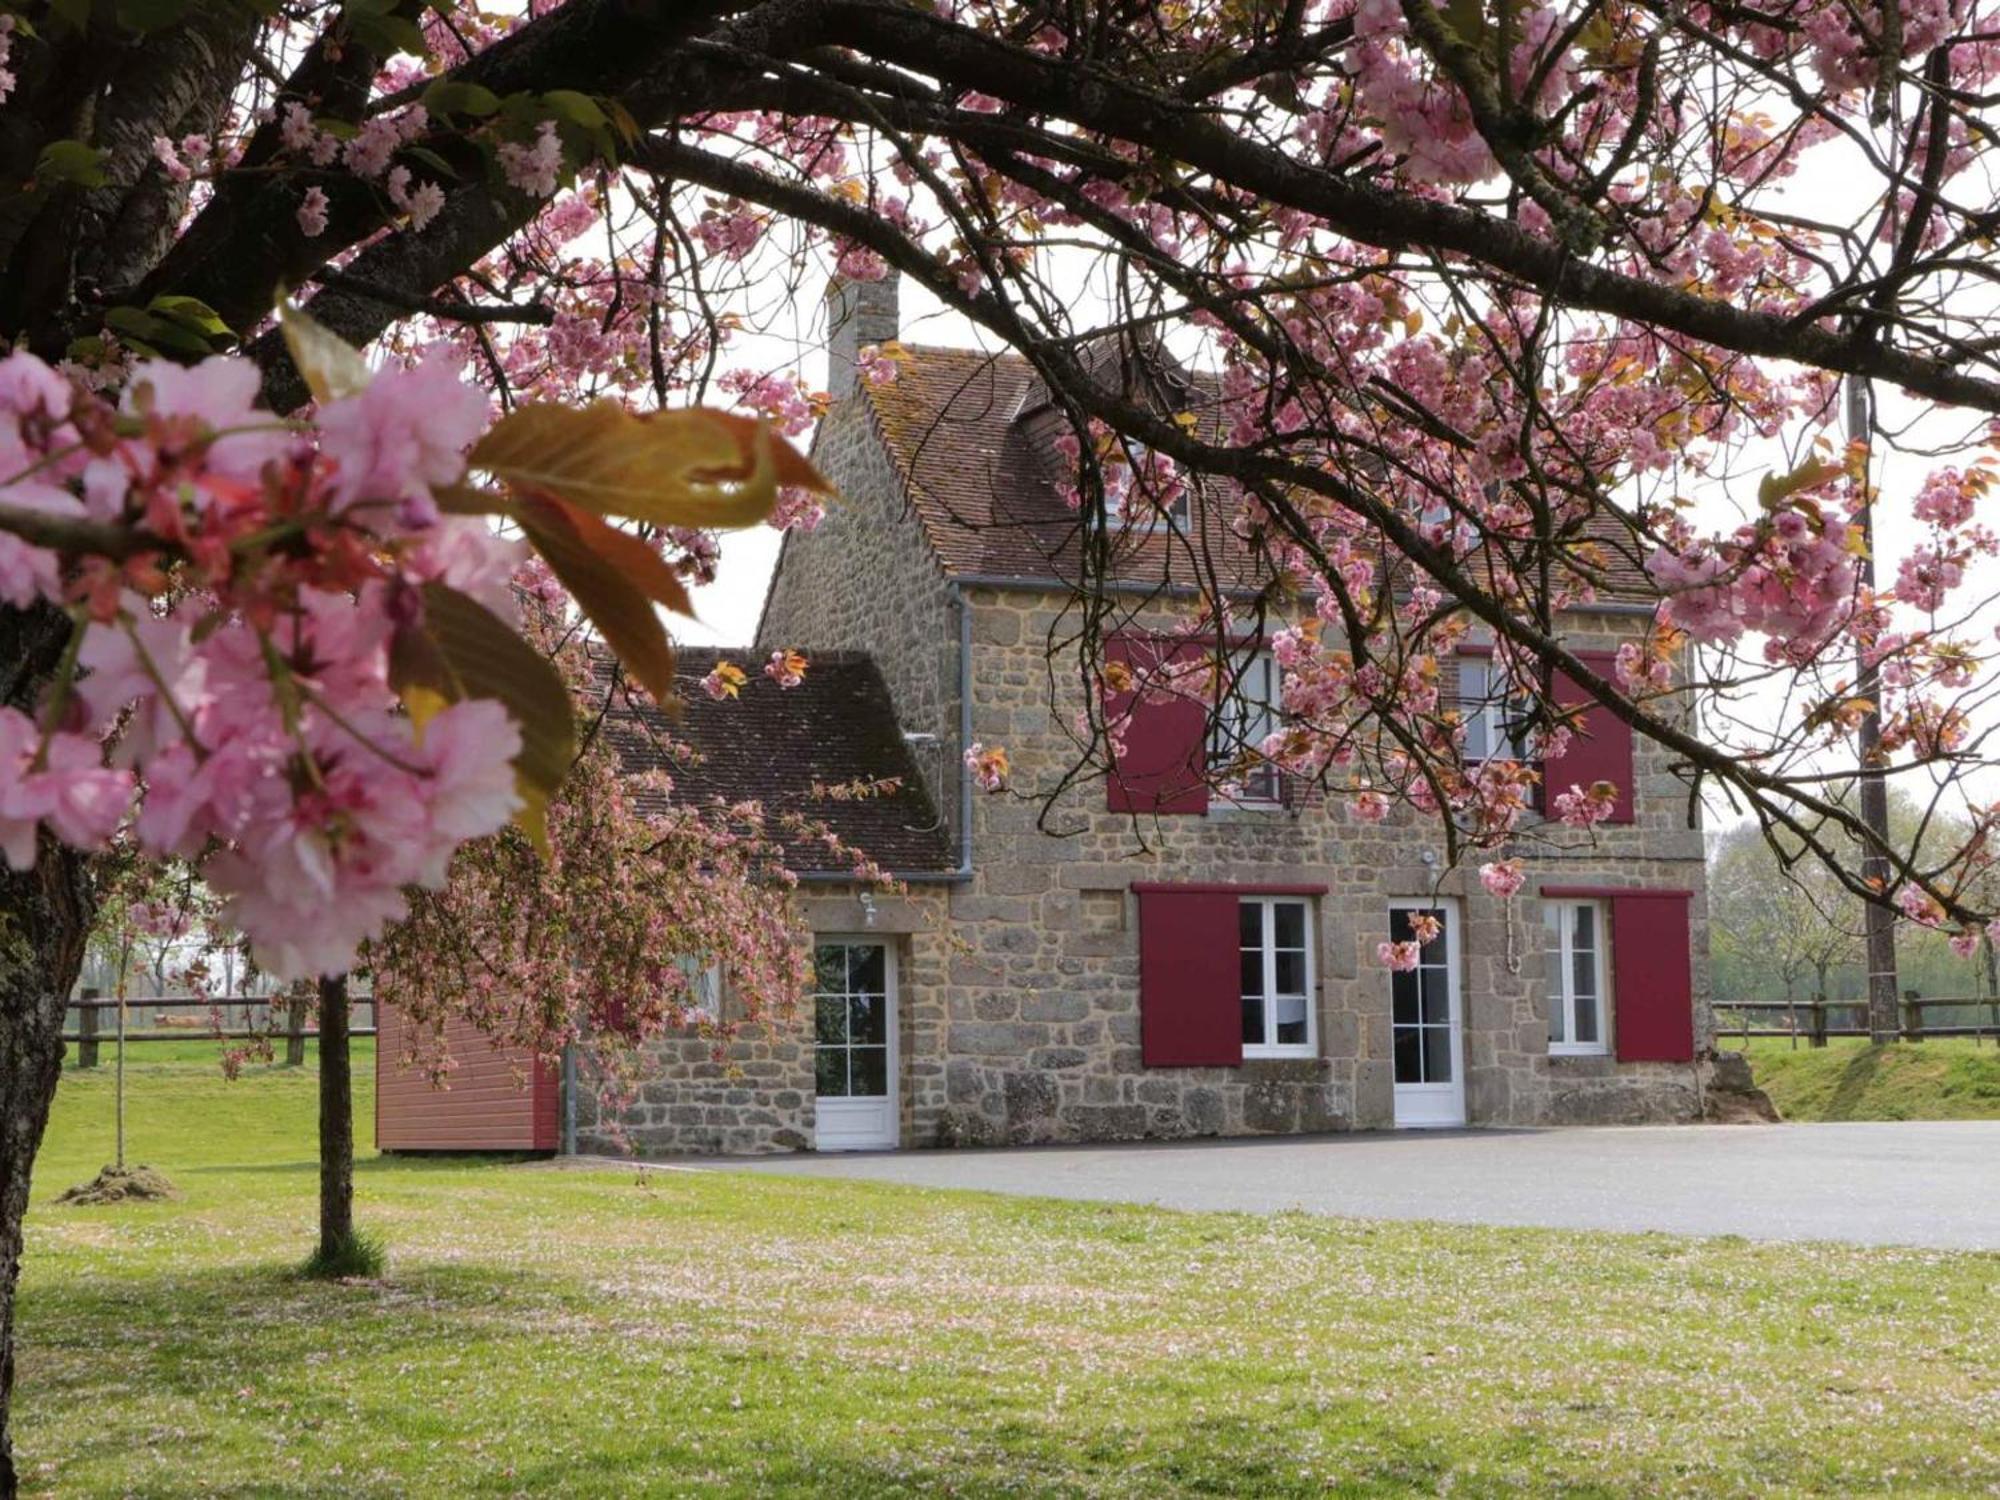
(569, 1099)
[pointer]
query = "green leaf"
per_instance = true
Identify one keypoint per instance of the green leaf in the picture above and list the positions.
(480, 656)
(194, 314)
(432, 160)
(615, 578)
(1467, 19)
(135, 324)
(332, 367)
(150, 15)
(674, 468)
(386, 35)
(71, 161)
(577, 109)
(73, 13)
(448, 96)
(339, 129)
(1775, 489)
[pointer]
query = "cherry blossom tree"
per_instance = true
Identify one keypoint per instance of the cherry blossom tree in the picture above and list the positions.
(1465, 313)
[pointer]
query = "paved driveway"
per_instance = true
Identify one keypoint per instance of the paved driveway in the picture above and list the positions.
(1935, 1184)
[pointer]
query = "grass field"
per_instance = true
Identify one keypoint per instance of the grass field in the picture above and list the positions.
(1948, 1079)
(613, 1333)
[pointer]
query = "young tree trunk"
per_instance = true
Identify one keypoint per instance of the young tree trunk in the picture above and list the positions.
(336, 1121)
(45, 915)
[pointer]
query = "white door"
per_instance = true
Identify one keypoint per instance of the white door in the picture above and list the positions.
(854, 1032)
(1425, 1018)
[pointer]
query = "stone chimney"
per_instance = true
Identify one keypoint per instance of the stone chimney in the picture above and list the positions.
(858, 313)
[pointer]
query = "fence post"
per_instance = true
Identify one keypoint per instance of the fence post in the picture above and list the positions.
(1818, 1012)
(1913, 1017)
(86, 1031)
(295, 1028)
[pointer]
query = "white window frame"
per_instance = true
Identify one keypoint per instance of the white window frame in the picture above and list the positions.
(1485, 714)
(1268, 906)
(1559, 987)
(1243, 724)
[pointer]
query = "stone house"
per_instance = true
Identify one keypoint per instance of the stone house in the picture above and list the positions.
(1135, 955)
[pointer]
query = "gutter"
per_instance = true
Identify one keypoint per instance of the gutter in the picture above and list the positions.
(962, 875)
(1030, 583)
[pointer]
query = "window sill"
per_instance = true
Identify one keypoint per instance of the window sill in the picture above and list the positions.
(1564, 1049)
(1304, 1052)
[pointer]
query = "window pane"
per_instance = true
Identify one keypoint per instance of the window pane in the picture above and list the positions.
(1253, 1021)
(870, 1019)
(1437, 1054)
(871, 1071)
(1586, 927)
(1403, 993)
(1250, 924)
(867, 967)
(1291, 1020)
(830, 1020)
(830, 1071)
(1437, 997)
(1291, 975)
(1399, 924)
(1551, 925)
(1251, 970)
(1558, 1027)
(830, 967)
(1291, 920)
(1409, 1055)
(1586, 1018)
(1583, 973)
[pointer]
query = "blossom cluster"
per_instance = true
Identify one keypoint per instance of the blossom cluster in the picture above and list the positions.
(226, 695)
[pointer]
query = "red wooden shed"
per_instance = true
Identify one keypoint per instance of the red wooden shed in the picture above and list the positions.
(496, 1098)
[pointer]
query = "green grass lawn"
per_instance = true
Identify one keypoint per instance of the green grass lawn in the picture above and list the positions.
(616, 1333)
(1947, 1079)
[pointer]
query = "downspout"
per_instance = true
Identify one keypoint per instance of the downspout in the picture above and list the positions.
(957, 596)
(569, 1099)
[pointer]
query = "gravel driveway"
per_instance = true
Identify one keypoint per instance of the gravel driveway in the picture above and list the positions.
(1934, 1184)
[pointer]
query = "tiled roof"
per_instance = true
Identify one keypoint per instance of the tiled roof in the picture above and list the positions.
(775, 746)
(981, 482)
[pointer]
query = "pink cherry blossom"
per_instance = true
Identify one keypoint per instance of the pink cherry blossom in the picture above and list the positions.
(534, 169)
(312, 212)
(1503, 878)
(1404, 956)
(407, 432)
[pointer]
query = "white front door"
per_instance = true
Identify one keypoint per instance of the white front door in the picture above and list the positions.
(854, 1033)
(1425, 1018)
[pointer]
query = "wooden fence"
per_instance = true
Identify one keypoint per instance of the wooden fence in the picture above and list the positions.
(1813, 1021)
(92, 1021)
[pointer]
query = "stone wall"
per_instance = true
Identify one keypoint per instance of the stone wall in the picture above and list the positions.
(758, 1097)
(1042, 1040)
(866, 579)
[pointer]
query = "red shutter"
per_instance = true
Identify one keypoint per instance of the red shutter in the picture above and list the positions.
(1652, 976)
(1600, 747)
(1164, 767)
(1190, 983)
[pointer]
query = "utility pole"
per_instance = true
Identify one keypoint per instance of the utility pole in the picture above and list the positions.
(1872, 786)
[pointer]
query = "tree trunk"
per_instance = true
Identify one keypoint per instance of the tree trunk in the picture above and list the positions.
(336, 1122)
(45, 915)
(45, 919)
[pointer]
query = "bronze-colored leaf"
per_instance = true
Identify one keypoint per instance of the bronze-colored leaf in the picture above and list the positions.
(332, 367)
(615, 579)
(677, 468)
